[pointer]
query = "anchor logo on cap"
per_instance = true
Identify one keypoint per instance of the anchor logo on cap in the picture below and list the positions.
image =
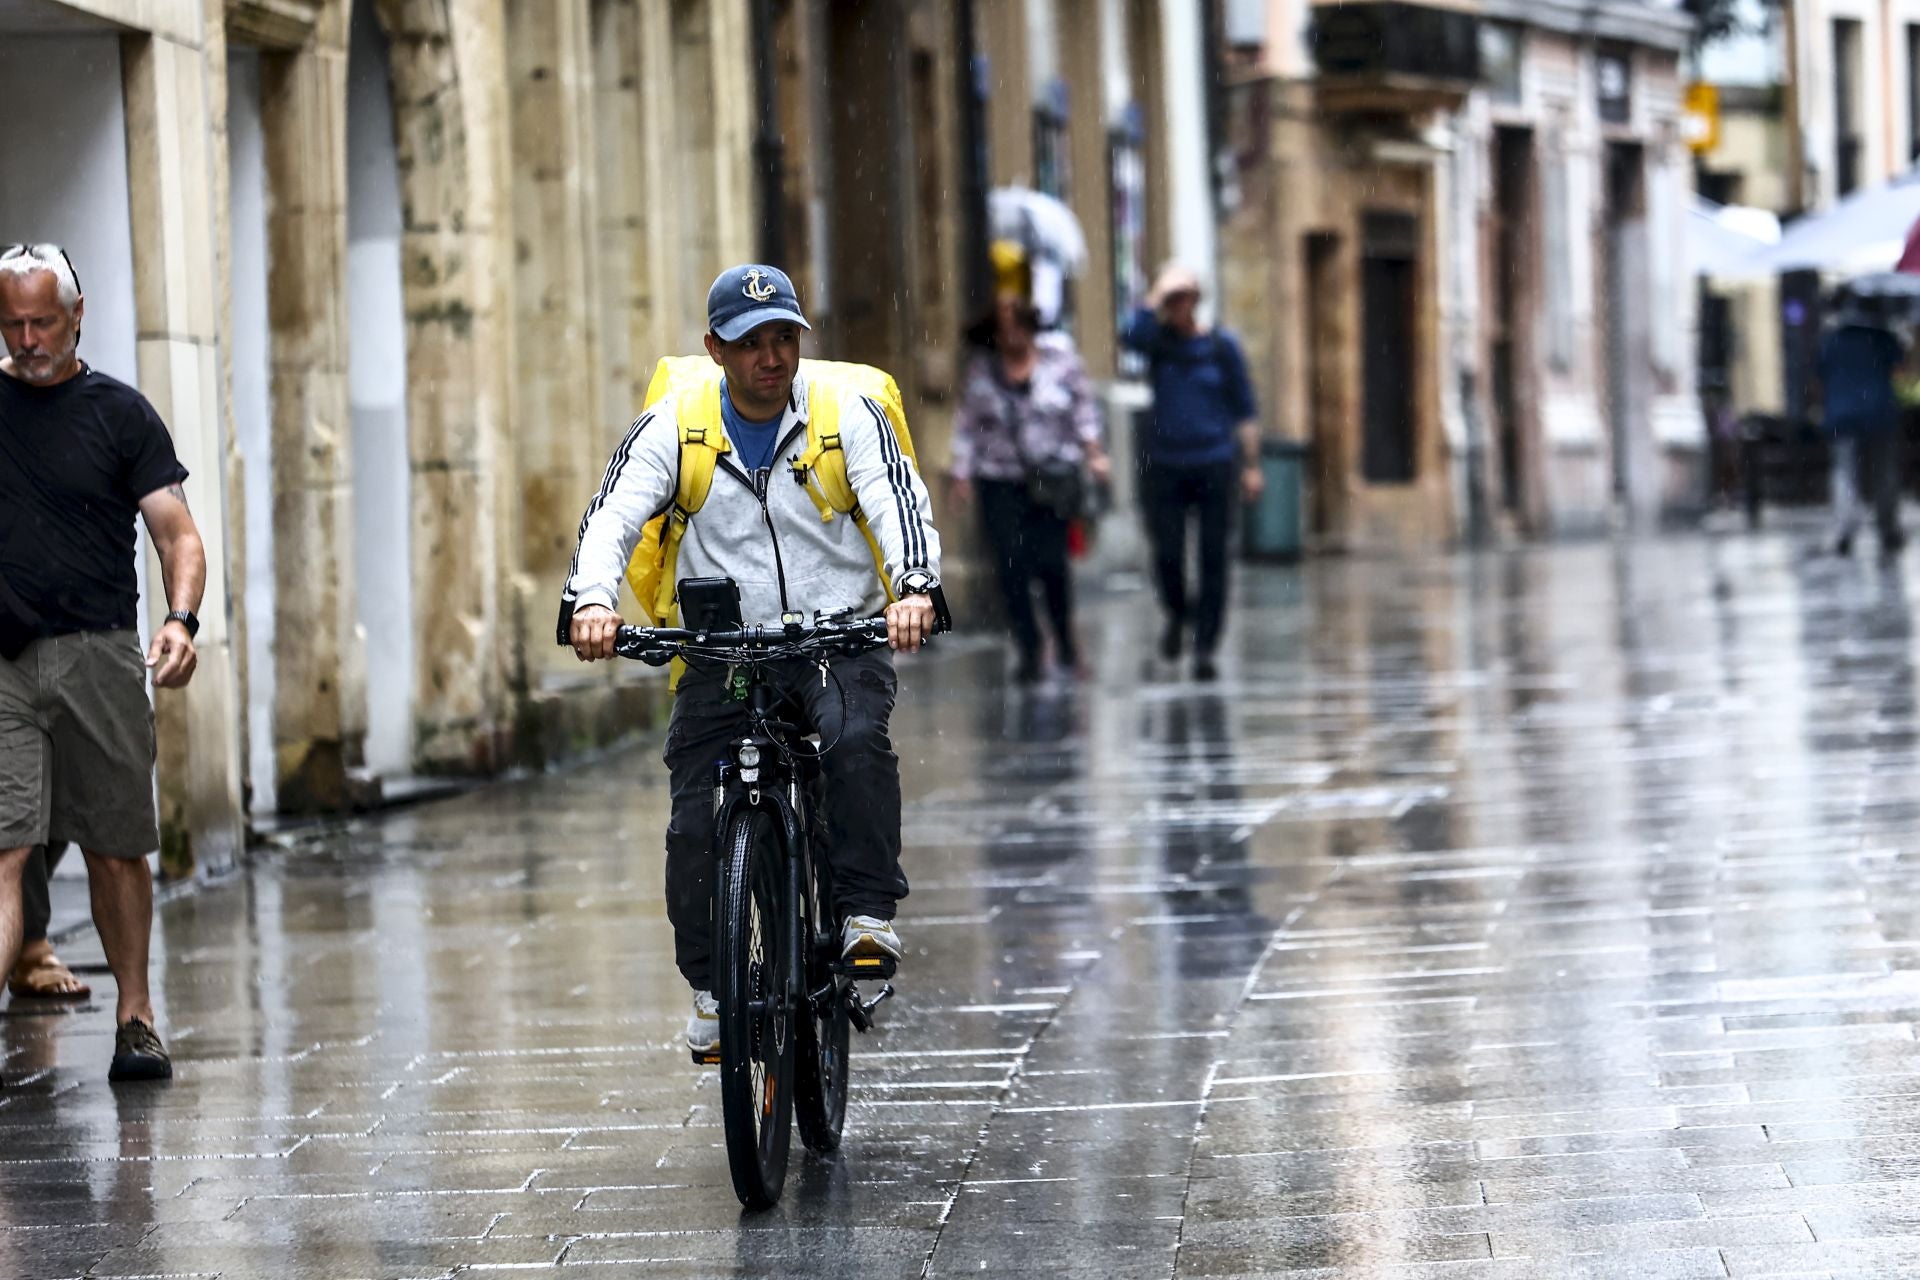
(758, 287)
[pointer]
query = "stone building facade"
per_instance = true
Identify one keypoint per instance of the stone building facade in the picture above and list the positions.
(1458, 255)
(396, 273)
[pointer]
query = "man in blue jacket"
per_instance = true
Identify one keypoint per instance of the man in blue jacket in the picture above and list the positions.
(1858, 358)
(1202, 454)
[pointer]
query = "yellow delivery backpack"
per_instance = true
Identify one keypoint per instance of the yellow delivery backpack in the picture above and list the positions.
(694, 384)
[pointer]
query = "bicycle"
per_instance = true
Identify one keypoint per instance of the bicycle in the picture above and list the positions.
(787, 1000)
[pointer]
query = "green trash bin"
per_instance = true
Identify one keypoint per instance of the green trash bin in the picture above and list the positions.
(1274, 528)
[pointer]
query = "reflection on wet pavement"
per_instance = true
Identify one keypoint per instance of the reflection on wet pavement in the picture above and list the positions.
(1532, 914)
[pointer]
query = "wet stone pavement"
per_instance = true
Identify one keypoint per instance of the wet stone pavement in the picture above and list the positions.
(1537, 914)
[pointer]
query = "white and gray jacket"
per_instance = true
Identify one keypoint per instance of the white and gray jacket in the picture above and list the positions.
(773, 543)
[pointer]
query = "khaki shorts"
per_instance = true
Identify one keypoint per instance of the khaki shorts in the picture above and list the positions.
(76, 746)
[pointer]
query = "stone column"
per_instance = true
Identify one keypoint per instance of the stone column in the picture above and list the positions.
(626, 211)
(664, 148)
(1003, 39)
(1149, 79)
(802, 94)
(319, 712)
(561, 428)
(729, 46)
(931, 230)
(1082, 42)
(1180, 116)
(869, 188)
(171, 185)
(448, 63)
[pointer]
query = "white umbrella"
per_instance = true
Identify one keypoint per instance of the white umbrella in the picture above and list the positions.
(1043, 223)
(1723, 241)
(1864, 233)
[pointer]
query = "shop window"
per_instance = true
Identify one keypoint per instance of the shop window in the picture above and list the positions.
(1500, 44)
(1613, 76)
(1848, 145)
(1052, 163)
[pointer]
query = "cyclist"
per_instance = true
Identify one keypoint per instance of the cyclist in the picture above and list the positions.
(768, 536)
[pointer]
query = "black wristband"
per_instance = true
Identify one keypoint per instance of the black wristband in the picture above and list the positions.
(186, 619)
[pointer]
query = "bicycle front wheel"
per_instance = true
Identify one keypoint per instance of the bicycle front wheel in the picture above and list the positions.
(756, 1024)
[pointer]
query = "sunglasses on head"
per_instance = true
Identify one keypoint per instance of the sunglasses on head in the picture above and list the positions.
(46, 253)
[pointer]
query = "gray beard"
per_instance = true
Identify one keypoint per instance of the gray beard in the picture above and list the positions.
(54, 365)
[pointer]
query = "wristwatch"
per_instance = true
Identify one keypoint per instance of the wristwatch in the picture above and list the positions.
(186, 619)
(917, 582)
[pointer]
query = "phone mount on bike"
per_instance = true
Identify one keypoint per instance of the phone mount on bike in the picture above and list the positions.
(709, 604)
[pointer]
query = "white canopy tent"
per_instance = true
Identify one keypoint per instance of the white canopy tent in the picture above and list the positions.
(1723, 241)
(1863, 234)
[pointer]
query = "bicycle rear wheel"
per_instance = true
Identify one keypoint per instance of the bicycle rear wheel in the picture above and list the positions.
(756, 1025)
(820, 1098)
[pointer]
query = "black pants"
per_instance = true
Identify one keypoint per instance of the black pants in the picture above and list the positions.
(861, 773)
(1029, 546)
(36, 907)
(1872, 461)
(1174, 496)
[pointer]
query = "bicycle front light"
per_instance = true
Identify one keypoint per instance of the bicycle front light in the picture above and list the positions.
(748, 756)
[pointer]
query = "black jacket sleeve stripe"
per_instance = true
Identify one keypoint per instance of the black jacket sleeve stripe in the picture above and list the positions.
(900, 480)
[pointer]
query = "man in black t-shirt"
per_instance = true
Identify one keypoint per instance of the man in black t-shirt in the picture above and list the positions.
(81, 455)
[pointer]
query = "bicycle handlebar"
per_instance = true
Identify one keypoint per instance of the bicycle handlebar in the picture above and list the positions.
(656, 646)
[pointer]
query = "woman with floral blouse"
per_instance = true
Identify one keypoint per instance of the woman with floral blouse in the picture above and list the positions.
(1026, 404)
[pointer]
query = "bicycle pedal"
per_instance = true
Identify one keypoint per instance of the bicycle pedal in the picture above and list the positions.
(866, 966)
(860, 1012)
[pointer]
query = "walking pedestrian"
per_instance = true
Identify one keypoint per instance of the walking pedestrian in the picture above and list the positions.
(39, 973)
(1027, 440)
(1201, 454)
(81, 455)
(1861, 413)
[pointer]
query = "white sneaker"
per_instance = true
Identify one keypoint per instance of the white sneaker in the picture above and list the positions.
(703, 1027)
(866, 936)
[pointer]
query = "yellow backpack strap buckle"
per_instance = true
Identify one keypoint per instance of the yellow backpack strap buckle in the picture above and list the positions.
(806, 468)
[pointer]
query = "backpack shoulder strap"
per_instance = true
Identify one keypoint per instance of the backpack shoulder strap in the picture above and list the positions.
(702, 441)
(697, 416)
(822, 467)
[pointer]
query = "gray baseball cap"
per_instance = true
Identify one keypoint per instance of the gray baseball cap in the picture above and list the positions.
(745, 297)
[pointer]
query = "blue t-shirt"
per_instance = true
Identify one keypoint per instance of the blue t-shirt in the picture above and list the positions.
(755, 441)
(1856, 379)
(1201, 392)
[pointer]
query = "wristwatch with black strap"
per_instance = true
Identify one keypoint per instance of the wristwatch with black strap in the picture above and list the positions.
(186, 619)
(918, 582)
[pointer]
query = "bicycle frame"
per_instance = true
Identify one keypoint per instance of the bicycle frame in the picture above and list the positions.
(785, 794)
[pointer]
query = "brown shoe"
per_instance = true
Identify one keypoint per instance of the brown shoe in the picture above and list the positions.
(138, 1054)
